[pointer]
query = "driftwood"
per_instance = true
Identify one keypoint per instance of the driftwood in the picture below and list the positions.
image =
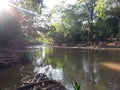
(41, 82)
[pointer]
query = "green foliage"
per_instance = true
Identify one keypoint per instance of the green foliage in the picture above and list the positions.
(77, 86)
(70, 25)
(101, 8)
(34, 5)
(35, 26)
(85, 21)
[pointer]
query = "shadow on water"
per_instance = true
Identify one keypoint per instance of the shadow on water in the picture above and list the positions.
(96, 69)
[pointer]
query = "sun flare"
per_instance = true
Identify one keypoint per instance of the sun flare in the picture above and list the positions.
(4, 5)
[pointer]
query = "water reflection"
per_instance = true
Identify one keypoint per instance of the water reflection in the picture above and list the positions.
(65, 65)
(113, 85)
(41, 67)
(97, 70)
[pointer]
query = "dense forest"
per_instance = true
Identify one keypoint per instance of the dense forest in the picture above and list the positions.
(83, 22)
(87, 21)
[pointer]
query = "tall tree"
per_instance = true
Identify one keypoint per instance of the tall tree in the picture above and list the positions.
(88, 10)
(109, 8)
(78, 17)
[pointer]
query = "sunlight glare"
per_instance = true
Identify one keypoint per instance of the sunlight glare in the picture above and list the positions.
(112, 65)
(4, 5)
(51, 3)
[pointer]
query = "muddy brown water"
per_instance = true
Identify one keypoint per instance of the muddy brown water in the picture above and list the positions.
(94, 69)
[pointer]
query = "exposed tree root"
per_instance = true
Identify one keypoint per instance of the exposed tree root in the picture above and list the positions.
(41, 82)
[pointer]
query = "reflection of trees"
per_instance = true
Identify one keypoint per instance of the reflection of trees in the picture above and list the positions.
(68, 64)
(91, 72)
(90, 68)
(41, 66)
(113, 85)
(111, 78)
(65, 65)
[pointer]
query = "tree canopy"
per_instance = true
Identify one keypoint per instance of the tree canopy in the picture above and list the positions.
(85, 21)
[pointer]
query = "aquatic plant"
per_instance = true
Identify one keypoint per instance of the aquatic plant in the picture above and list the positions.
(76, 85)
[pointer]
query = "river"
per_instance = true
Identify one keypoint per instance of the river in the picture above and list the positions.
(94, 69)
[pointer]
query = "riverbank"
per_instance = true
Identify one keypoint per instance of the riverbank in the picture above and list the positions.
(10, 57)
(90, 47)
